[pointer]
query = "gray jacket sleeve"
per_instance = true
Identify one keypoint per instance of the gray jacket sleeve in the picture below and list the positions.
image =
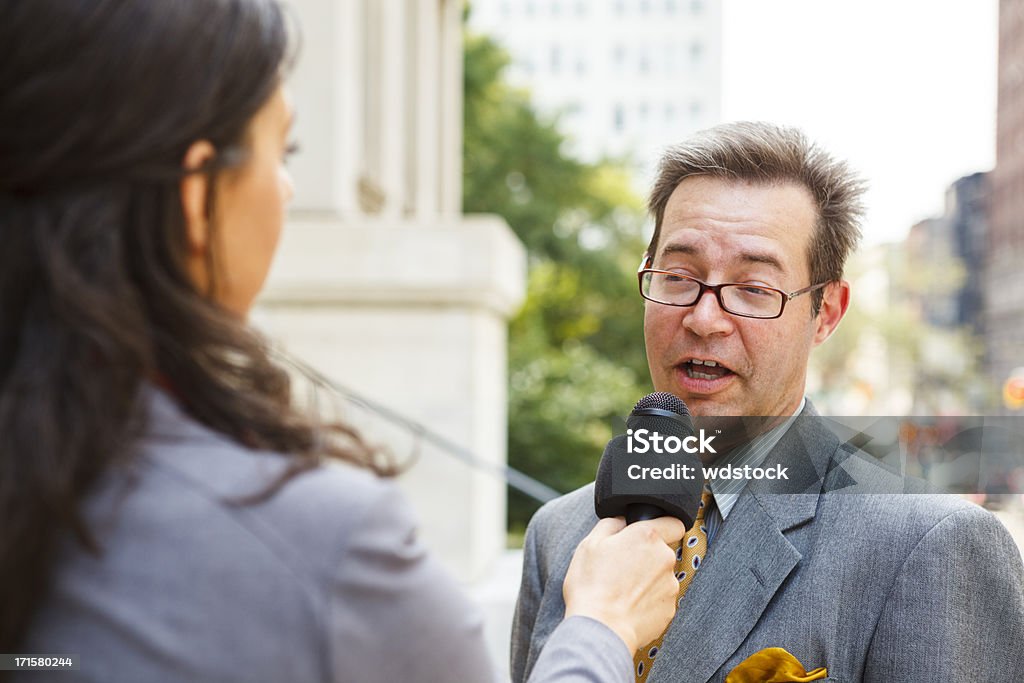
(954, 616)
(582, 650)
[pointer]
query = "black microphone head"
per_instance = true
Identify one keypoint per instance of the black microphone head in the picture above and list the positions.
(615, 495)
(662, 400)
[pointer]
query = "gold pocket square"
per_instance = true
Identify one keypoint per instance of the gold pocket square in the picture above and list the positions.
(773, 665)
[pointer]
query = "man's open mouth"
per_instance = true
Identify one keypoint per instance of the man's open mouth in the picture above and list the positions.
(700, 368)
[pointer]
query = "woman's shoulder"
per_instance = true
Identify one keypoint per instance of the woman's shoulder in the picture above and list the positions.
(310, 519)
(211, 583)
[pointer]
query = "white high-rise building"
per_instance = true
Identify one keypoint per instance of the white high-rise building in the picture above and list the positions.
(628, 77)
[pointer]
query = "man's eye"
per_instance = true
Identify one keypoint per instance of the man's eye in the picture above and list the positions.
(757, 291)
(292, 149)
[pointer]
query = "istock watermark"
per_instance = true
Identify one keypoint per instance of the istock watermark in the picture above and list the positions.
(667, 444)
(646, 461)
(677, 471)
(978, 455)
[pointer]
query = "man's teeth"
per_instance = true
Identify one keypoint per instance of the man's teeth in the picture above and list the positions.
(693, 373)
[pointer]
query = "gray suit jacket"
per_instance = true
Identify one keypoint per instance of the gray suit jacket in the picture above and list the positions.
(874, 587)
(326, 581)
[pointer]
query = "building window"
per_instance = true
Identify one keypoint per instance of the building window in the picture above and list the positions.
(696, 52)
(556, 58)
(620, 8)
(556, 8)
(696, 109)
(696, 6)
(670, 6)
(619, 57)
(619, 118)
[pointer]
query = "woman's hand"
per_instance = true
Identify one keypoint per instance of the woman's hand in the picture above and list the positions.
(623, 576)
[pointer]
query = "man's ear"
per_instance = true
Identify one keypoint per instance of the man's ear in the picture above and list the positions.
(195, 189)
(834, 304)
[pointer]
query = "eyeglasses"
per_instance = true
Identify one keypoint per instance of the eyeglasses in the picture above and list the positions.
(748, 301)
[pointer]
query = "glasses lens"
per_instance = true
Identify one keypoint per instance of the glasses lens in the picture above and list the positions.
(756, 302)
(670, 289)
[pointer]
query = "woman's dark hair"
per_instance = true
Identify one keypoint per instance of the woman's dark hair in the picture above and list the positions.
(99, 101)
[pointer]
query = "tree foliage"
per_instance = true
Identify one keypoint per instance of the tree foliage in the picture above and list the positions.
(576, 360)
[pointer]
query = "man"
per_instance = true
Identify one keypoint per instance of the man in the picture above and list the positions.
(854, 587)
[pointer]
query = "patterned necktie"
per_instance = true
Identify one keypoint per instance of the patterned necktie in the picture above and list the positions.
(689, 554)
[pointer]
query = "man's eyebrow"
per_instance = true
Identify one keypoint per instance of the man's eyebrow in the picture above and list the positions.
(763, 257)
(687, 249)
(289, 122)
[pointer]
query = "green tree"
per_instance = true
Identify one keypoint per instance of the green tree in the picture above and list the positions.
(576, 360)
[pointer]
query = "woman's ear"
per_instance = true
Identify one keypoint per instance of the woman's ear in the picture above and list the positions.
(195, 189)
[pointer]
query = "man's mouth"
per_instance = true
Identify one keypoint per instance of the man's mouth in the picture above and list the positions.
(701, 368)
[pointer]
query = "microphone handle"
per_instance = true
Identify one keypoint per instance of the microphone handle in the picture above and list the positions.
(638, 512)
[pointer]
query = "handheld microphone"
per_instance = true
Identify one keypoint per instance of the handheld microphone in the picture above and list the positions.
(667, 415)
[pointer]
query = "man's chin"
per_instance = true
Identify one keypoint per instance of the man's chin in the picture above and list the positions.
(701, 407)
(730, 422)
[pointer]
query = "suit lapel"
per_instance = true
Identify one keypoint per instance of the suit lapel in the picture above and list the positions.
(747, 563)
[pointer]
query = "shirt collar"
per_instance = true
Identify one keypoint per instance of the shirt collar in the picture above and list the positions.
(727, 491)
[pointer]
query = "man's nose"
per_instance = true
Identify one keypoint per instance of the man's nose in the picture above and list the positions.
(706, 318)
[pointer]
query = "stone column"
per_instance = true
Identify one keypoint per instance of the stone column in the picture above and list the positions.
(380, 282)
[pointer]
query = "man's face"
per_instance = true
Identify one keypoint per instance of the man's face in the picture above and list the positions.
(720, 230)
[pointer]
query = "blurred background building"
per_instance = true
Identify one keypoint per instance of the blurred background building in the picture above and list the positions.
(955, 244)
(1004, 288)
(967, 209)
(942, 288)
(627, 77)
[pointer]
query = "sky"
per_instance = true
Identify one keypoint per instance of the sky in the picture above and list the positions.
(905, 90)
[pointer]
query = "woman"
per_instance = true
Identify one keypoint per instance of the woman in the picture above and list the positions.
(167, 514)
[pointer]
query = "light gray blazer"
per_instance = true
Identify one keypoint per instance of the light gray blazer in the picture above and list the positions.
(894, 588)
(326, 581)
